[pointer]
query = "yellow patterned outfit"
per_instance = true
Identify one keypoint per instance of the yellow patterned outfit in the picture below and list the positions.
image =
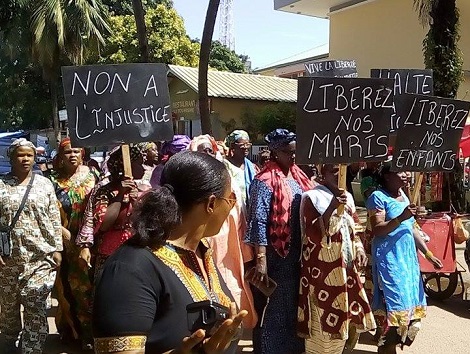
(28, 276)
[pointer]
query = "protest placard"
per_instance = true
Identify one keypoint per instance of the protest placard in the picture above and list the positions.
(114, 104)
(429, 133)
(331, 68)
(343, 120)
(418, 81)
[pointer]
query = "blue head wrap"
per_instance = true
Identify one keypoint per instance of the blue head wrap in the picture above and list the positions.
(279, 138)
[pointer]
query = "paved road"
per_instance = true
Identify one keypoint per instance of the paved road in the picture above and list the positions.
(445, 330)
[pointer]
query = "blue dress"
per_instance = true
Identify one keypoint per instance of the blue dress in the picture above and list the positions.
(278, 334)
(398, 288)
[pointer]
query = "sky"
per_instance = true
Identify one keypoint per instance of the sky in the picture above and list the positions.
(260, 32)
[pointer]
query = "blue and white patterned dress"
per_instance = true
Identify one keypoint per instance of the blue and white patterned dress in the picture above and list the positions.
(278, 334)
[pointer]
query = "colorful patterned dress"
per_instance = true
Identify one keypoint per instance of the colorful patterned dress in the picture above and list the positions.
(28, 276)
(72, 194)
(332, 299)
(398, 288)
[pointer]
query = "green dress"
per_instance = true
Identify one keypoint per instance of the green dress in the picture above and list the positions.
(74, 286)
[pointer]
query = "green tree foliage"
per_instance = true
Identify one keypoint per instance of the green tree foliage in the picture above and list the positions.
(54, 32)
(440, 46)
(124, 7)
(224, 59)
(167, 39)
(272, 116)
(24, 97)
(443, 56)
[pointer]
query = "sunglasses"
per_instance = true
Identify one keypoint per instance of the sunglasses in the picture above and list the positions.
(244, 145)
(231, 201)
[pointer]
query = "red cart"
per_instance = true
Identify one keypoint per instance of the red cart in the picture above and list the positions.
(440, 284)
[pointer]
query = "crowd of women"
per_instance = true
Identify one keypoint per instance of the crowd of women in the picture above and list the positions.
(200, 229)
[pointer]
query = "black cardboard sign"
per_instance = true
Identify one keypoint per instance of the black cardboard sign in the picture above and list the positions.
(429, 134)
(416, 81)
(343, 120)
(331, 68)
(115, 104)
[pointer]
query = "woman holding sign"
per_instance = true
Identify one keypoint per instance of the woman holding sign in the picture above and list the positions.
(333, 306)
(274, 230)
(107, 217)
(398, 289)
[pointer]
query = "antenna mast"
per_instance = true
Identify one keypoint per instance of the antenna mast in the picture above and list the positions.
(226, 24)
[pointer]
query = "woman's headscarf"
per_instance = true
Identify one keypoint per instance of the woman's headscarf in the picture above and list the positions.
(17, 143)
(280, 231)
(113, 163)
(236, 135)
(57, 162)
(201, 139)
(279, 138)
(177, 144)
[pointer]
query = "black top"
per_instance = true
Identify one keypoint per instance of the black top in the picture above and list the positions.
(138, 294)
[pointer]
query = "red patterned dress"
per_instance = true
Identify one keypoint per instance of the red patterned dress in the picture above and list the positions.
(332, 299)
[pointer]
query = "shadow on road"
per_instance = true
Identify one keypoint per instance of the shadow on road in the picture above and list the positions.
(455, 305)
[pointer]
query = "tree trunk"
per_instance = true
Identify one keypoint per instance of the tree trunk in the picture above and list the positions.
(139, 15)
(55, 109)
(204, 54)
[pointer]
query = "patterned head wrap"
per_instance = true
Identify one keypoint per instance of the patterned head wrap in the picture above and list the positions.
(114, 163)
(145, 146)
(279, 138)
(17, 143)
(137, 150)
(63, 143)
(179, 143)
(236, 135)
(201, 139)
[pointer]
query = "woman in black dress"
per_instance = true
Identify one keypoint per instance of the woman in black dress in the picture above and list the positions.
(145, 286)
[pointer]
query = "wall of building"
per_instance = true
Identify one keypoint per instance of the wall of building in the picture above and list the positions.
(227, 113)
(388, 34)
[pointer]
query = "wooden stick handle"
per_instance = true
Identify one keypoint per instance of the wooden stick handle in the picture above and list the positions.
(126, 159)
(343, 169)
(415, 198)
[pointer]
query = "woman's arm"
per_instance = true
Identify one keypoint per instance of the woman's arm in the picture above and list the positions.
(257, 228)
(115, 205)
(421, 245)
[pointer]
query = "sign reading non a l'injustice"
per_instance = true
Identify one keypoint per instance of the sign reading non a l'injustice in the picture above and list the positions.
(343, 120)
(331, 68)
(114, 104)
(416, 81)
(429, 134)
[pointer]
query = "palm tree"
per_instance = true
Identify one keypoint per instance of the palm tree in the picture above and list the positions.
(440, 46)
(443, 56)
(63, 30)
(204, 54)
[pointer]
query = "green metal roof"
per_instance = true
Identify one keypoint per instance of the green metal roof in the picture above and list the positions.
(242, 86)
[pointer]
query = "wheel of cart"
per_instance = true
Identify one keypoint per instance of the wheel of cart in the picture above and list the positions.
(440, 284)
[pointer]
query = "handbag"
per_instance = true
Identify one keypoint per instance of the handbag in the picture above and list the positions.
(461, 235)
(5, 231)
